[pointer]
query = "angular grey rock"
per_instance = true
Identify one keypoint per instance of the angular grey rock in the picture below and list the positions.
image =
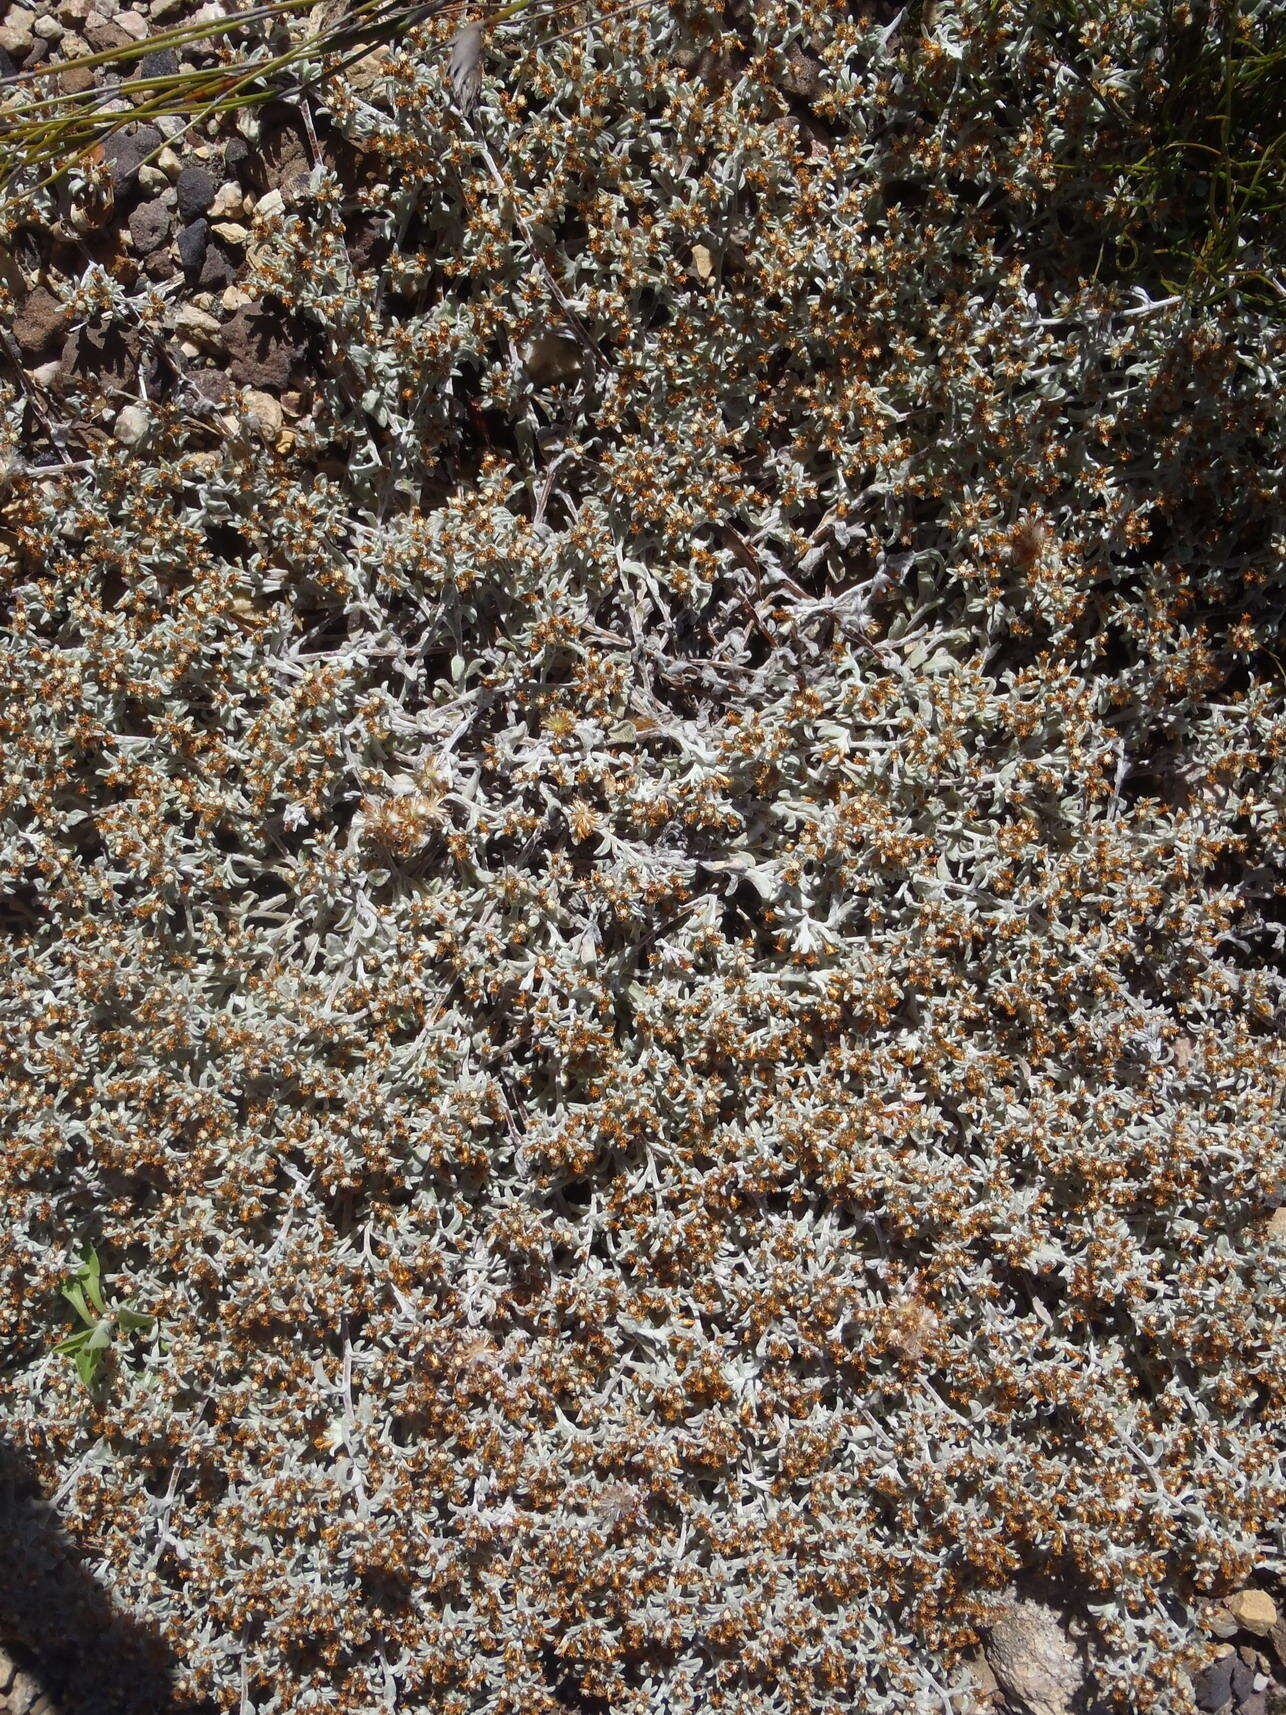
(124, 150)
(196, 188)
(1034, 1660)
(105, 34)
(103, 355)
(1243, 1677)
(262, 353)
(149, 226)
(1212, 1687)
(217, 271)
(17, 33)
(212, 385)
(161, 62)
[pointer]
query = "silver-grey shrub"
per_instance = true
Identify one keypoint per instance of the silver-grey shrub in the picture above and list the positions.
(652, 937)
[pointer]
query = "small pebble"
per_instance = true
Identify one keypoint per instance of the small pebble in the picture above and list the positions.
(18, 30)
(192, 243)
(161, 62)
(266, 413)
(77, 80)
(264, 351)
(103, 34)
(131, 425)
(1219, 1622)
(227, 204)
(196, 324)
(1254, 1611)
(19, 17)
(297, 189)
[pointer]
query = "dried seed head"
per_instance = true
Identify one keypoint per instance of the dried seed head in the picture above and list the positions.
(1027, 541)
(911, 1327)
(619, 1503)
(582, 819)
(397, 826)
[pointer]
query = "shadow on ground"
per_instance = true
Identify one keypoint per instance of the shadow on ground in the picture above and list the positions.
(75, 1653)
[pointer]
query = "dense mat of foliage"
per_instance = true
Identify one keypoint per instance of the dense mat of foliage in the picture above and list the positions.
(652, 944)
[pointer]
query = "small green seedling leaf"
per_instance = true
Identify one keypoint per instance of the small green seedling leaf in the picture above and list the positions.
(75, 1296)
(91, 1272)
(87, 1366)
(103, 1323)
